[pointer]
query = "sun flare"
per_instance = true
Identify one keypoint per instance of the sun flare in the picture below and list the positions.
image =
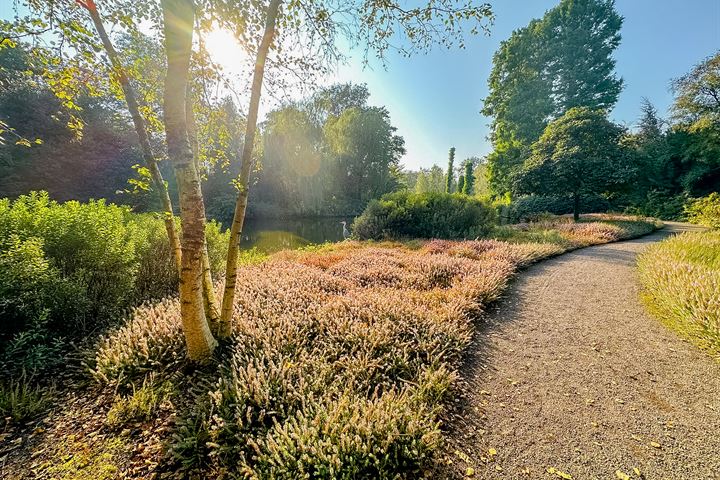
(225, 50)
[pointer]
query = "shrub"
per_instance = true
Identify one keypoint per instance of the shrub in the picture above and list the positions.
(424, 215)
(72, 268)
(141, 404)
(681, 285)
(705, 211)
(662, 205)
(341, 359)
(151, 341)
(533, 207)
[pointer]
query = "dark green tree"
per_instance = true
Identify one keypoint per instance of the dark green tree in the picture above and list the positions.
(450, 176)
(577, 154)
(580, 37)
(561, 61)
(461, 184)
(468, 186)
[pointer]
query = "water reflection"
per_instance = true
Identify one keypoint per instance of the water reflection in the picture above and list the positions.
(271, 235)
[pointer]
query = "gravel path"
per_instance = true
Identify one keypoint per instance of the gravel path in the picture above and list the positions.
(570, 373)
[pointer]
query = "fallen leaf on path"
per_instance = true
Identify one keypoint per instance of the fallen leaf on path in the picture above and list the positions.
(462, 456)
(470, 472)
(622, 475)
(555, 471)
(492, 452)
(655, 444)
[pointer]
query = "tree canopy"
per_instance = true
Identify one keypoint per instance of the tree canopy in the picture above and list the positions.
(561, 61)
(577, 154)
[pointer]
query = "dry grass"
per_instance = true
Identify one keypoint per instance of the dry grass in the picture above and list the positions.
(342, 356)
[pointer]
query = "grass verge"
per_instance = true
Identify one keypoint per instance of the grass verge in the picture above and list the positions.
(681, 286)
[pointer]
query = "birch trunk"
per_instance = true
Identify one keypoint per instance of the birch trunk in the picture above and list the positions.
(247, 153)
(178, 18)
(139, 124)
(212, 310)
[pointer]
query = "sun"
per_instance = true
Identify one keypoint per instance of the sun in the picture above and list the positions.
(225, 50)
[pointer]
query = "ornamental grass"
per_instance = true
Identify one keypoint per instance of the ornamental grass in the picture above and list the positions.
(681, 285)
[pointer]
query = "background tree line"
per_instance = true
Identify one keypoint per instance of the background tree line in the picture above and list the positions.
(327, 154)
(552, 86)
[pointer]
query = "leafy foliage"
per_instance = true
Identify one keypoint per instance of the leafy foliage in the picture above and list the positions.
(678, 162)
(430, 215)
(469, 179)
(577, 154)
(368, 153)
(449, 175)
(72, 268)
(142, 404)
(705, 211)
(697, 100)
(430, 180)
(561, 61)
(21, 400)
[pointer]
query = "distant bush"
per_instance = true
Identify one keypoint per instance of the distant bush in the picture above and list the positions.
(424, 215)
(531, 208)
(662, 205)
(681, 285)
(704, 211)
(71, 268)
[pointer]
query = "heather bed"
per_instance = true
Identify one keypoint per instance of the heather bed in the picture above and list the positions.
(342, 357)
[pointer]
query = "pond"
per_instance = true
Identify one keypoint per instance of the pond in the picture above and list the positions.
(271, 235)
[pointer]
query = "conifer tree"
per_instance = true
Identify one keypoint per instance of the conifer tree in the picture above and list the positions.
(449, 177)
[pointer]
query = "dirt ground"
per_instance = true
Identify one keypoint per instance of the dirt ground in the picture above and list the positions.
(569, 377)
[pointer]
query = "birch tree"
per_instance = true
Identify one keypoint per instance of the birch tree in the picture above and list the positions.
(178, 24)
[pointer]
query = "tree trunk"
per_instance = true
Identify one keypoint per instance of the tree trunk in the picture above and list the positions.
(576, 207)
(247, 153)
(212, 310)
(178, 18)
(138, 122)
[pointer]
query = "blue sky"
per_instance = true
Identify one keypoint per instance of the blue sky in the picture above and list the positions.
(435, 99)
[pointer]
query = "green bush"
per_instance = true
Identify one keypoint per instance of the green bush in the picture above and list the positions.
(72, 268)
(424, 215)
(705, 211)
(662, 205)
(531, 208)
